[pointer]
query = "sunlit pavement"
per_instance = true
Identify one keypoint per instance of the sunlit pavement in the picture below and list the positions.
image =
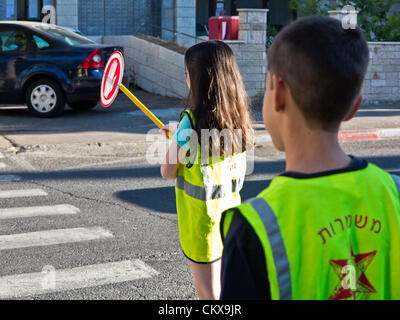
(85, 216)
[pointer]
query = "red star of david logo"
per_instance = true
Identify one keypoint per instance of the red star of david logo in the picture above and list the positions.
(359, 263)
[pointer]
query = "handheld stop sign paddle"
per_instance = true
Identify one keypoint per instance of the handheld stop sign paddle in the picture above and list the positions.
(112, 83)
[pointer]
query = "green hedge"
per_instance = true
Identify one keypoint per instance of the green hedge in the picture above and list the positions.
(373, 16)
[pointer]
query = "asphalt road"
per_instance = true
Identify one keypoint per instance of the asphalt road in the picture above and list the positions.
(83, 215)
(117, 192)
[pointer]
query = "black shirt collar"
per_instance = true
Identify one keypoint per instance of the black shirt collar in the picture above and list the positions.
(355, 165)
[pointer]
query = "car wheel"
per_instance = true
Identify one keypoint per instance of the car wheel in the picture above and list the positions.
(45, 98)
(83, 105)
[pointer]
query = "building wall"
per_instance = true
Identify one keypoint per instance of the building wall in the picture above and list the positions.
(186, 22)
(382, 83)
(167, 20)
(119, 17)
(162, 71)
(3, 10)
(146, 17)
(67, 13)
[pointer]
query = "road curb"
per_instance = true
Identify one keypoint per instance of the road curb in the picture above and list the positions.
(4, 142)
(369, 134)
(260, 140)
(348, 135)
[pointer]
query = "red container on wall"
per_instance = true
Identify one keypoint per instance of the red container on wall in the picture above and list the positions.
(223, 28)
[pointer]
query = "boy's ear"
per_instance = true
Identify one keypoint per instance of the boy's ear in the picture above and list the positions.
(280, 93)
(355, 108)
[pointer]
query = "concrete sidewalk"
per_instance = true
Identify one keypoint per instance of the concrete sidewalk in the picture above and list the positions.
(124, 124)
(4, 143)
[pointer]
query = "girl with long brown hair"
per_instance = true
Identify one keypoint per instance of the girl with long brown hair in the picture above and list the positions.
(207, 185)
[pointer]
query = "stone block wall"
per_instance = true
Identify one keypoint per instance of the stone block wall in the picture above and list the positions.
(185, 16)
(161, 70)
(382, 82)
(250, 50)
(167, 20)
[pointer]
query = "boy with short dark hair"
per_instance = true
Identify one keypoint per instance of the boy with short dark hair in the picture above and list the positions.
(329, 227)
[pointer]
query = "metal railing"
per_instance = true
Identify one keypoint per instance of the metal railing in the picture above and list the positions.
(172, 35)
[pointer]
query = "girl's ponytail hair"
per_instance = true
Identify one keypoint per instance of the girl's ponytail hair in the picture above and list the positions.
(217, 95)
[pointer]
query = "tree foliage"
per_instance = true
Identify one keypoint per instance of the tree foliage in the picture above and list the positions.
(374, 16)
(309, 7)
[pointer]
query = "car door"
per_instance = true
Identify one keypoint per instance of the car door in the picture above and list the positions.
(15, 47)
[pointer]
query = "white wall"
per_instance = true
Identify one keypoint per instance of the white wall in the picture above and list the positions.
(158, 69)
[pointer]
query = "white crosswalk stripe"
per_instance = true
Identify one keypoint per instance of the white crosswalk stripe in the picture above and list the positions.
(52, 237)
(51, 280)
(9, 177)
(25, 212)
(30, 284)
(2, 165)
(22, 193)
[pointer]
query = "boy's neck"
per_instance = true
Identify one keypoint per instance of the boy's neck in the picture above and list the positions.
(314, 151)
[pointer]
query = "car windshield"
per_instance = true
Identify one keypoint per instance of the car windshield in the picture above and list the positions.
(67, 36)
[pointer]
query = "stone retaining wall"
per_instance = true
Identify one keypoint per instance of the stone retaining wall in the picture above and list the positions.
(160, 70)
(382, 83)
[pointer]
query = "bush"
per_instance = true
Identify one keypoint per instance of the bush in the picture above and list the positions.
(309, 7)
(271, 34)
(373, 16)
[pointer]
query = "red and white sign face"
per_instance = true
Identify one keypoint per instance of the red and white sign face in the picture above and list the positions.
(112, 78)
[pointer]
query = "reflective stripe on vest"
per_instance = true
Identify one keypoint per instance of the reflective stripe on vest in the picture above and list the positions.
(209, 192)
(271, 226)
(397, 182)
(311, 229)
(204, 189)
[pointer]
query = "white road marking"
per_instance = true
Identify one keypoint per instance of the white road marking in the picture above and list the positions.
(31, 284)
(52, 237)
(262, 139)
(9, 177)
(22, 193)
(132, 159)
(12, 107)
(24, 164)
(25, 212)
(161, 113)
(389, 133)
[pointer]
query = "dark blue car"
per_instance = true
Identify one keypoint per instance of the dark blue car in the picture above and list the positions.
(46, 66)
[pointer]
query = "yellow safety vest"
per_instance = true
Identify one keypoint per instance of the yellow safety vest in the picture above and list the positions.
(329, 237)
(203, 192)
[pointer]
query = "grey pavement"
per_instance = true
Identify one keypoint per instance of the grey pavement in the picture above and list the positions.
(124, 123)
(95, 162)
(123, 194)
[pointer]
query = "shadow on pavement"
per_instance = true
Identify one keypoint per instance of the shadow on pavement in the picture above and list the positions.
(389, 163)
(379, 111)
(123, 117)
(162, 199)
(85, 174)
